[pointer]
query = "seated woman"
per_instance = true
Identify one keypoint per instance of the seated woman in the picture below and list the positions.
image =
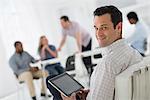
(47, 51)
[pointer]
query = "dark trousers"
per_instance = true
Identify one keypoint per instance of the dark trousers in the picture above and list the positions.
(87, 60)
(56, 94)
(54, 70)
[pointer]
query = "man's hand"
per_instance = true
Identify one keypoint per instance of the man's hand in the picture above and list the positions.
(34, 69)
(77, 52)
(82, 94)
(59, 49)
(72, 97)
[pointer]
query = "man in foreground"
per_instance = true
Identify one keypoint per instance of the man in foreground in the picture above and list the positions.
(117, 55)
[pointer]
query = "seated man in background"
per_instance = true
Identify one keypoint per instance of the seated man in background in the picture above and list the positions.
(48, 51)
(138, 39)
(20, 64)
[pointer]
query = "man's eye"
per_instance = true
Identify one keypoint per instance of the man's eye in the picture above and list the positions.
(104, 28)
(96, 28)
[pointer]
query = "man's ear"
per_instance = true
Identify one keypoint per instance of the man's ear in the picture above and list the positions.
(119, 27)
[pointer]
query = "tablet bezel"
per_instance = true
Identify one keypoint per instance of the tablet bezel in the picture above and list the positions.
(59, 89)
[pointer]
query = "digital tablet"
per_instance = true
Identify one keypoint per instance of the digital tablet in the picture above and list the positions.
(65, 84)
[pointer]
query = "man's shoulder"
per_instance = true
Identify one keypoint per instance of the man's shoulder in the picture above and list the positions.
(115, 57)
(108, 60)
(12, 57)
(25, 53)
(124, 56)
(75, 24)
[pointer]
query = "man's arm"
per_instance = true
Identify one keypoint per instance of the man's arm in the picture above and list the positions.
(32, 58)
(52, 51)
(15, 68)
(72, 97)
(79, 41)
(62, 42)
(103, 84)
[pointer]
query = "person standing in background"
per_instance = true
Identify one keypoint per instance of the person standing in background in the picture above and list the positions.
(82, 36)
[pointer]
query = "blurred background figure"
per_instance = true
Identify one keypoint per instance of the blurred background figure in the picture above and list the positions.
(138, 40)
(48, 51)
(82, 36)
(20, 64)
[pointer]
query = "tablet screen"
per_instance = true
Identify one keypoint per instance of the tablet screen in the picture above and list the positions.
(65, 84)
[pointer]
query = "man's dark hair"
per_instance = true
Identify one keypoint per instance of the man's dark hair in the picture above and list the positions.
(115, 13)
(17, 42)
(132, 15)
(65, 18)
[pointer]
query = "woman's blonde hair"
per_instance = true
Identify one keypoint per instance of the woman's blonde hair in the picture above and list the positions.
(40, 43)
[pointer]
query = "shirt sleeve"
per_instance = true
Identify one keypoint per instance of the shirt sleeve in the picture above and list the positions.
(64, 33)
(15, 67)
(104, 82)
(32, 59)
(53, 48)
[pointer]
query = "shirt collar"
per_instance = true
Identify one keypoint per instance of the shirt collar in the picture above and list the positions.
(115, 45)
(19, 53)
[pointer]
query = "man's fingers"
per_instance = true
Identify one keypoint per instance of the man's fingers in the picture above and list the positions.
(72, 97)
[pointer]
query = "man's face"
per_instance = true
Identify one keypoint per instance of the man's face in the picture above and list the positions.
(19, 48)
(131, 21)
(63, 24)
(105, 32)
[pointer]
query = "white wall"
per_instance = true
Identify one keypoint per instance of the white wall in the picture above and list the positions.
(8, 82)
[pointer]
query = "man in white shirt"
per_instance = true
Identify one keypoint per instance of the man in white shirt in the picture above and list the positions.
(138, 39)
(116, 55)
(82, 36)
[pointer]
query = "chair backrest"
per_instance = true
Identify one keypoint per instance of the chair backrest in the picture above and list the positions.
(70, 63)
